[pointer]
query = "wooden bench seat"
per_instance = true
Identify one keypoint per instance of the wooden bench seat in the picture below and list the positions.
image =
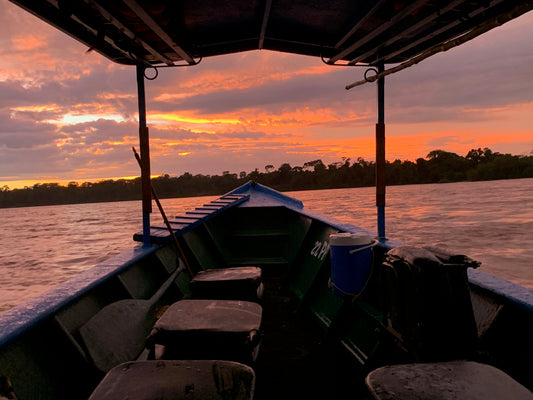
(452, 380)
(173, 380)
(208, 329)
(237, 283)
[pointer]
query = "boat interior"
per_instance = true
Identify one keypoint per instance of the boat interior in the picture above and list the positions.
(304, 338)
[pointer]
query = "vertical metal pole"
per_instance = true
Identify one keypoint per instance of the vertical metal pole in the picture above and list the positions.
(380, 154)
(145, 156)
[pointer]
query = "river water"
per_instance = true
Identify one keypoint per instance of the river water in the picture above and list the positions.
(491, 222)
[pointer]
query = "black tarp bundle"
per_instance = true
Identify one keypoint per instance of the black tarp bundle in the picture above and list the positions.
(427, 300)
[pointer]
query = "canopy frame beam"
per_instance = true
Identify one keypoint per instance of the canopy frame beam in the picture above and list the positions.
(266, 17)
(158, 30)
(380, 154)
(365, 39)
(144, 145)
(124, 29)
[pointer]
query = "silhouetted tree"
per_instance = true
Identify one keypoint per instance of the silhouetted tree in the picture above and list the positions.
(439, 166)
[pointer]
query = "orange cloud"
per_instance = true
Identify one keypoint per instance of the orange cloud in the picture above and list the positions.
(27, 43)
(113, 96)
(162, 118)
(298, 120)
(244, 75)
(36, 108)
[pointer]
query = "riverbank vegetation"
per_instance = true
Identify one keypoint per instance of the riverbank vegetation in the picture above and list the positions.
(438, 166)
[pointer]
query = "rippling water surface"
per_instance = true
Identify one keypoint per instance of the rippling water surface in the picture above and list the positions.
(491, 222)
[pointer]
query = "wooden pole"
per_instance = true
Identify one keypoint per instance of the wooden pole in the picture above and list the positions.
(167, 223)
(380, 155)
(145, 156)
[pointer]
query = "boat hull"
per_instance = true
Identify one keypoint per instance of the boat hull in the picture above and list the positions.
(332, 341)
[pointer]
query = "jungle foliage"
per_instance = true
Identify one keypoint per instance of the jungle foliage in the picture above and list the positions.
(438, 166)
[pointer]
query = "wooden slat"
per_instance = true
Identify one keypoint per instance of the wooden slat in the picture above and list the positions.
(185, 219)
(197, 214)
(191, 219)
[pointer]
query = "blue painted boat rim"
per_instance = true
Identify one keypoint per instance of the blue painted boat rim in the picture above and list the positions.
(25, 316)
(260, 193)
(513, 293)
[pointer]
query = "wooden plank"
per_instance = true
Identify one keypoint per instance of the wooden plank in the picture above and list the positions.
(191, 219)
(185, 219)
(197, 214)
(175, 226)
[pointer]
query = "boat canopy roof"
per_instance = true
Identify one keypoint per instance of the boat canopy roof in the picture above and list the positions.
(340, 31)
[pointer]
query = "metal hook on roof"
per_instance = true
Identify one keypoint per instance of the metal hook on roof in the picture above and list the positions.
(367, 71)
(151, 78)
(147, 65)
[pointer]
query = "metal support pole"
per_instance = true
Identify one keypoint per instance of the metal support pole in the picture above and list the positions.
(380, 154)
(145, 156)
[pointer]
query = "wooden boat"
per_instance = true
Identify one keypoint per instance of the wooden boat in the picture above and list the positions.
(314, 341)
(413, 323)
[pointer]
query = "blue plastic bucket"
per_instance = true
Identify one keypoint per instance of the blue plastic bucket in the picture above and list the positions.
(351, 262)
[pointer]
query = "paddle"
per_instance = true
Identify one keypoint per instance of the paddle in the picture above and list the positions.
(154, 195)
(117, 333)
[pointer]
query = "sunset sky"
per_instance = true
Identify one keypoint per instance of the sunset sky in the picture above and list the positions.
(68, 115)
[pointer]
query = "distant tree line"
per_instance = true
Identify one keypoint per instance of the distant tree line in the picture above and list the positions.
(438, 166)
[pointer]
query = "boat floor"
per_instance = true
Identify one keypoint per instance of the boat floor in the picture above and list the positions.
(295, 359)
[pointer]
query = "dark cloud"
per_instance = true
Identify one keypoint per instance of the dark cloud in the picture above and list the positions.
(12, 93)
(101, 130)
(491, 71)
(486, 72)
(274, 96)
(24, 133)
(183, 134)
